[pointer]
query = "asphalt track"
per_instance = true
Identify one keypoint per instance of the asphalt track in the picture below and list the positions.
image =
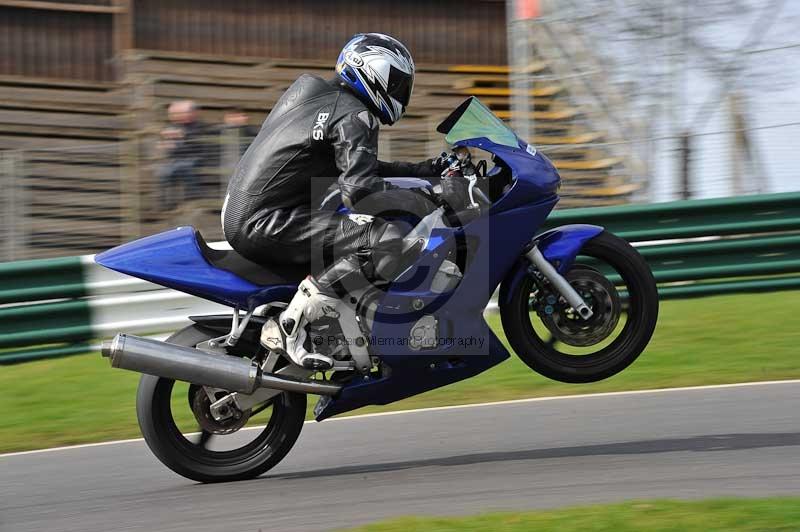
(684, 443)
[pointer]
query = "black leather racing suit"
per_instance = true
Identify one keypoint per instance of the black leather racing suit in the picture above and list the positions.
(318, 130)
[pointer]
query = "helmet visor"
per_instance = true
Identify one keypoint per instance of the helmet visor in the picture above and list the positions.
(399, 86)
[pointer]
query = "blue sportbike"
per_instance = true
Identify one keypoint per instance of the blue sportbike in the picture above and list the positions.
(577, 304)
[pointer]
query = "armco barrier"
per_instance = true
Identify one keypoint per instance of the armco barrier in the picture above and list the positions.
(706, 247)
(52, 308)
(767, 213)
(81, 304)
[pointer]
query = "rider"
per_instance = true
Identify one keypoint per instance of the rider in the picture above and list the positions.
(316, 131)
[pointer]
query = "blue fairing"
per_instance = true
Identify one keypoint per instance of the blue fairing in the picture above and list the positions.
(561, 245)
(173, 259)
(534, 175)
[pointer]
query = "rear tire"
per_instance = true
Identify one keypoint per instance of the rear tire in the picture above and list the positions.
(642, 315)
(194, 460)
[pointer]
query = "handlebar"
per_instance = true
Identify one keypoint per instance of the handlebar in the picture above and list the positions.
(460, 166)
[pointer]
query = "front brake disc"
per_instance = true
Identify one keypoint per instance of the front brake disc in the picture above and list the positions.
(600, 295)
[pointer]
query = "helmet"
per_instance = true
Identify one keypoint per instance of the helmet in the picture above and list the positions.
(380, 70)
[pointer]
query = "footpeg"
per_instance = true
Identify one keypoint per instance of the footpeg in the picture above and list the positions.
(317, 362)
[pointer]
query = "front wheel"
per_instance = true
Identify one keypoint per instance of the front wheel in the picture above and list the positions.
(178, 428)
(617, 284)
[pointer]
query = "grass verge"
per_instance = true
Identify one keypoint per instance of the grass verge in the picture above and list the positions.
(740, 338)
(728, 515)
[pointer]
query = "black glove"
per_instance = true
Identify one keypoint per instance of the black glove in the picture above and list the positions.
(440, 163)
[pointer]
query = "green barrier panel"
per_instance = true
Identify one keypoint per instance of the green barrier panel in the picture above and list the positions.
(691, 218)
(724, 258)
(42, 353)
(732, 287)
(44, 323)
(60, 334)
(731, 270)
(36, 280)
(763, 245)
(718, 258)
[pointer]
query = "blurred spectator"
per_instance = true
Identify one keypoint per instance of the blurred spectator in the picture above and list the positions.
(237, 131)
(184, 147)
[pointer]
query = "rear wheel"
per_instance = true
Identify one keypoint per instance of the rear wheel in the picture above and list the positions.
(617, 284)
(178, 428)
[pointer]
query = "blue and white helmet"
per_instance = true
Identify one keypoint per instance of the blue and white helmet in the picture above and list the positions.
(380, 69)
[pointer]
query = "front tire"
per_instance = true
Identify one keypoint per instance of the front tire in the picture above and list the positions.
(192, 457)
(598, 357)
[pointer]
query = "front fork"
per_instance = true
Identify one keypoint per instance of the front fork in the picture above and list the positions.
(558, 281)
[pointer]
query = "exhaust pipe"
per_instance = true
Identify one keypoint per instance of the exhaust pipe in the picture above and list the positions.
(193, 365)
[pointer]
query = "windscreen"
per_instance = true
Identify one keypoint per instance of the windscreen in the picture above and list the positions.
(473, 120)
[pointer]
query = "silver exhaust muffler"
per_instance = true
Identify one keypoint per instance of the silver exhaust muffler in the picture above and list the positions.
(187, 364)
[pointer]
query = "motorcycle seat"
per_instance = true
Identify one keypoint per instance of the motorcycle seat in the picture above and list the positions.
(258, 274)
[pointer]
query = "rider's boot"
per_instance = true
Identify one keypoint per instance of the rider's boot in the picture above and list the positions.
(288, 334)
(380, 261)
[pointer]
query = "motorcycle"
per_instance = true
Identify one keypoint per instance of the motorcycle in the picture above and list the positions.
(577, 304)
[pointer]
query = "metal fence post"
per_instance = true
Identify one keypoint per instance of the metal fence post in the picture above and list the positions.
(22, 203)
(130, 189)
(230, 143)
(15, 205)
(519, 15)
(6, 202)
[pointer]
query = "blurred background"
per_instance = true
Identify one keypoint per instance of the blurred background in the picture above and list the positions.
(119, 118)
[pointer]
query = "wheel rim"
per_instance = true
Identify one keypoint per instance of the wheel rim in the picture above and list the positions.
(602, 338)
(185, 433)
